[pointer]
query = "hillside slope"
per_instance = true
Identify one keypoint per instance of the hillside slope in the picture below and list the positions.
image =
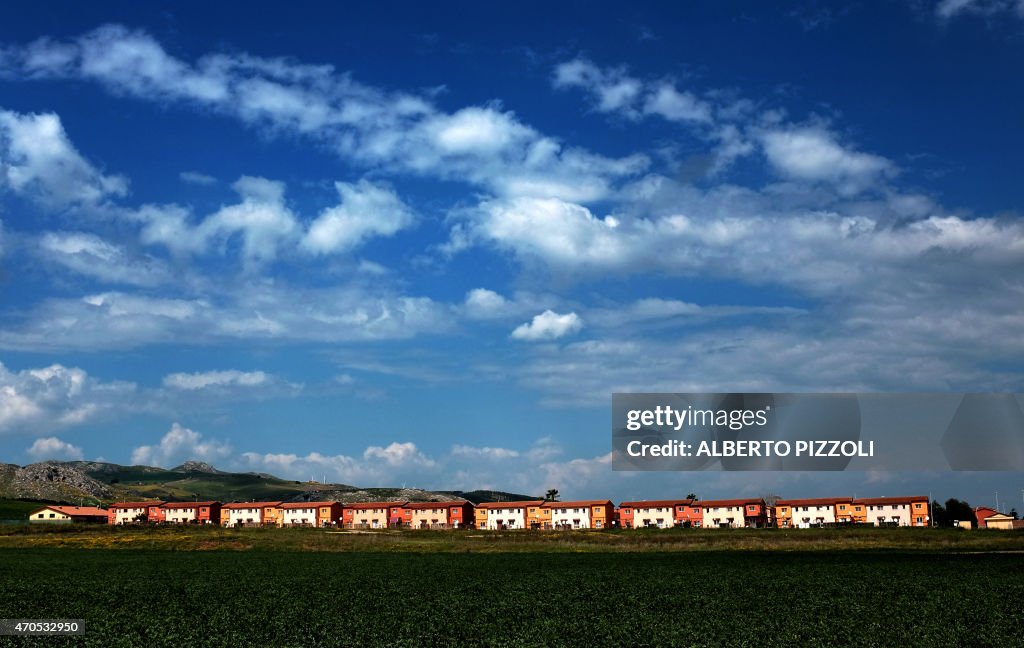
(99, 482)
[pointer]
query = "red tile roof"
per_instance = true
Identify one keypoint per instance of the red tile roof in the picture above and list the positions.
(76, 511)
(659, 503)
(577, 503)
(177, 505)
(731, 502)
(302, 505)
(374, 505)
(815, 501)
(505, 505)
(250, 505)
(891, 500)
(126, 505)
(434, 505)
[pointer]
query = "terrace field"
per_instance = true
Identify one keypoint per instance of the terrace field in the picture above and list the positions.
(528, 598)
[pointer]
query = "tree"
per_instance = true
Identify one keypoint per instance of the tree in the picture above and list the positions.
(955, 511)
(770, 499)
(1013, 513)
(939, 515)
(552, 495)
(691, 496)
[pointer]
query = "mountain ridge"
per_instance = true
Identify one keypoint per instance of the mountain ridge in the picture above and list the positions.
(97, 482)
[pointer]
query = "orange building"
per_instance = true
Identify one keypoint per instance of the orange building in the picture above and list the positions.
(538, 517)
(372, 515)
(661, 514)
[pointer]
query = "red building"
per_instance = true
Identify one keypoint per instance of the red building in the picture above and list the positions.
(399, 515)
(660, 513)
(135, 512)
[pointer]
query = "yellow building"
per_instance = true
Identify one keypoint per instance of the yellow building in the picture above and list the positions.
(68, 514)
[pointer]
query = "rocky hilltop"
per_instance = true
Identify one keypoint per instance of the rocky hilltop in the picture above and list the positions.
(50, 480)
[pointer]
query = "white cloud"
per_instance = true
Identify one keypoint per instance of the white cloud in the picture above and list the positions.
(251, 310)
(483, 145)
(215, 379)
(814, 154)
(262, 221)
(613, 90)
(548, 326)
(38, 160)
(52, 448)
(673, 105)
(378, 466)
(485, 304)
(947, 9)
(180, 444)
(196, 178)
(491, 454)
(365, 210)
(92, 256)
(38, 400)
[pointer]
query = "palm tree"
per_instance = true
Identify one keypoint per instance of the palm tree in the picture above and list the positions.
(552, 495)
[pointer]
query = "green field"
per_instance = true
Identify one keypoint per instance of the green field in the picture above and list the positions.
(17, 509)
(187, 538)
(237, 598)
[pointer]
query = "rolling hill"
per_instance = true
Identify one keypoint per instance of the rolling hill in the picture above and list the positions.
(91, 482)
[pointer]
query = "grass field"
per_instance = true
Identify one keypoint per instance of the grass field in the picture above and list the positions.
(185, 538)
(17, 509)
(712, 598)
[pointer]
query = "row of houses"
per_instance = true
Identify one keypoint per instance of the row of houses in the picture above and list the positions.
(911, 511)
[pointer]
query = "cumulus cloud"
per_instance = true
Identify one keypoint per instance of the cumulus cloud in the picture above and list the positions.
(262, 221)
(56, 396)
(549, 325)
(379, 465)
(814, 154)
(180, 444)
(52, 448)
(37, 160)
(366, 210)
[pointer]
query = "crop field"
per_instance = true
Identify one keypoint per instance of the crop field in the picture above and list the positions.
(710, 598)
(206, 537)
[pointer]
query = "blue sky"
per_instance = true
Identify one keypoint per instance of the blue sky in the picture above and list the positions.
(421, 245)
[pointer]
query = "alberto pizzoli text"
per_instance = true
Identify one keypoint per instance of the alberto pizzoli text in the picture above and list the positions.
(827, 448)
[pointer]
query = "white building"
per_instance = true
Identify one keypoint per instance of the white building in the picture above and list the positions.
(298, 515)
(723, 514)
(506, 515)
(888, 511)
(181, 514)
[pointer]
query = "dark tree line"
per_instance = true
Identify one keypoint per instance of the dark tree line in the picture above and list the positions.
(952, 512)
